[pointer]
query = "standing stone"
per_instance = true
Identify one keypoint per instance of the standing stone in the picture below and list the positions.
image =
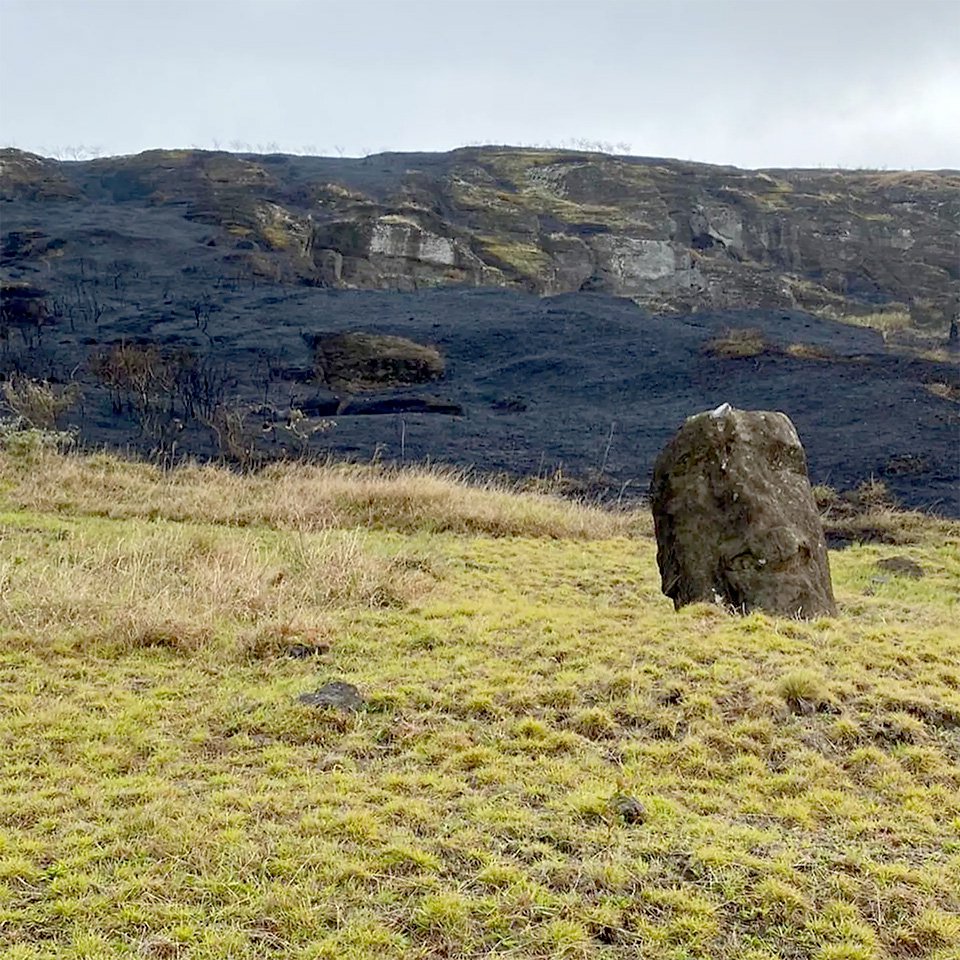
(735, 517)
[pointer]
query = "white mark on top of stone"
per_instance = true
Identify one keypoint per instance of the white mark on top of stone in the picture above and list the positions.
(721, 411)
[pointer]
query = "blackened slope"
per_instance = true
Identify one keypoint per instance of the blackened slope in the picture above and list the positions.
(573, 383)
(674, 235)
(210, 253)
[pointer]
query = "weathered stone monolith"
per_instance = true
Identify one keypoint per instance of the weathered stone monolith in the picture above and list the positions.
(735, 517)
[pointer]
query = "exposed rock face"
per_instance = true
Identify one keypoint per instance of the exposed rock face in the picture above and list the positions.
(735, 517)
(397, 237)
(634, 268)
(393, 252)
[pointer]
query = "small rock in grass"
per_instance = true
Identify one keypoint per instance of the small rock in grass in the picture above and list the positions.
(332, 761)
(158, 948)
(901, 567)
(302, 651)
(336, 695)
(630, 808)
(671, 696)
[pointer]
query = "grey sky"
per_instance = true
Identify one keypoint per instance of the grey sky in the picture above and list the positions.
(748, 82)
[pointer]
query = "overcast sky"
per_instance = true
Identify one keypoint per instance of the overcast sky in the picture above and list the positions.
(855, 83)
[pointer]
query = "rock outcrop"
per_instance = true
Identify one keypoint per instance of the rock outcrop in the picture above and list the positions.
(364, 361)
(735, 517)
(672, 235)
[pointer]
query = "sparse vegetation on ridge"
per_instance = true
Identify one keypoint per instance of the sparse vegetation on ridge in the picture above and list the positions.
(551, 762)
(737, 343)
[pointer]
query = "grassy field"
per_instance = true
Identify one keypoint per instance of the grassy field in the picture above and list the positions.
(163, 794)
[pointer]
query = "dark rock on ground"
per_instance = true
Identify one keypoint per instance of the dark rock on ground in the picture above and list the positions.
(303, 651)
(509, 405)
(735, 517)
(401, 404)
(22, 303)
(296, 374)
(630, 809)
(901, 567)
(319, 406)
(336, 696)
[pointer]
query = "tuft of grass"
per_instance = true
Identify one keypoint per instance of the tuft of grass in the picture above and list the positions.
(804, 690)
(946, 391)
(808, 351)
(936, 354)
(893, 322)
(870, 514)
(737, 343)
(887, 322)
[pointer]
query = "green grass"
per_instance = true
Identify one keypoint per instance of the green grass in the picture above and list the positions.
(525, 259)
(163, 794)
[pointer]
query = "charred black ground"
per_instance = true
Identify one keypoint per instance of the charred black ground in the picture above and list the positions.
(585, 384)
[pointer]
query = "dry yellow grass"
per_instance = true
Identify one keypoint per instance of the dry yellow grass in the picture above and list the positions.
(888, 322)
(188, 586)
(870, 514)
(302, 497)
(737, 342)
(808, 351)
(945, 391)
